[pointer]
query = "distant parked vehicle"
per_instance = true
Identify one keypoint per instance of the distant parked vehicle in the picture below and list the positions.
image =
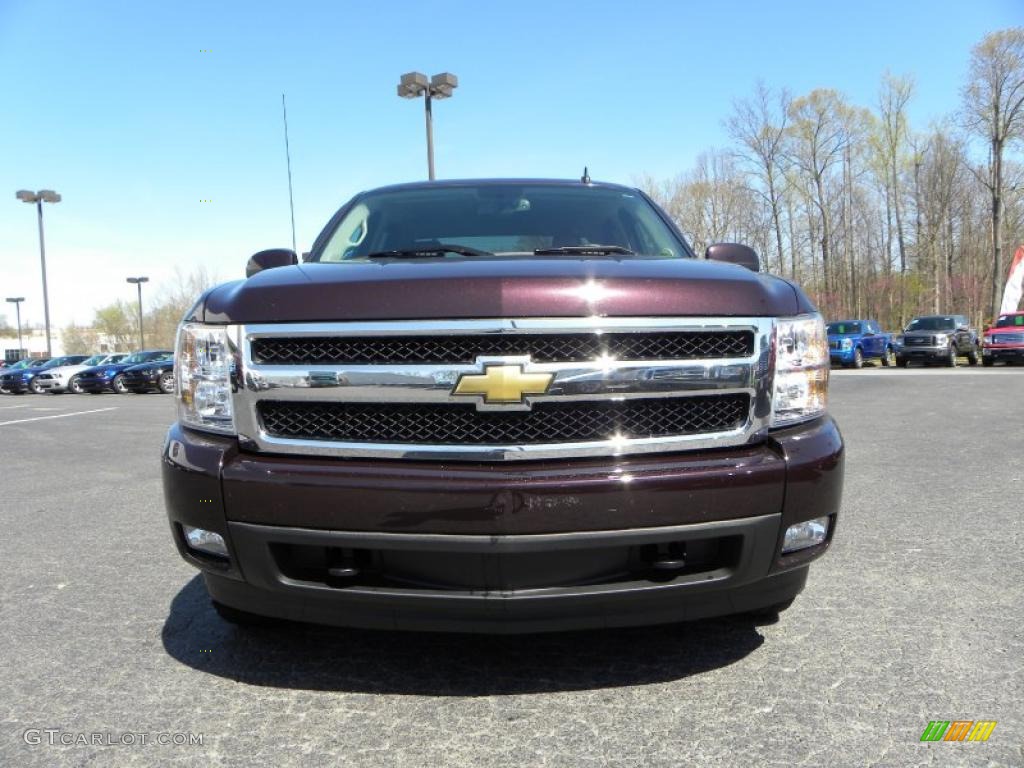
(939, 339)
(156, 374)
(18, 378)
(109, 377)
(1004, 340)
(64, 378)
(851, 342)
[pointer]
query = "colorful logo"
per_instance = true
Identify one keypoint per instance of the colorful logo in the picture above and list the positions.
(958, 730)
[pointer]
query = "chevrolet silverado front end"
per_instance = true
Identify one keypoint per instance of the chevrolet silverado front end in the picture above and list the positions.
(502, 406)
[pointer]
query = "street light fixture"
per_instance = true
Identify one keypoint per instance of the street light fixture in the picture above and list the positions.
(138, 281)
(16, 301)
(412, 85)
(40, 197)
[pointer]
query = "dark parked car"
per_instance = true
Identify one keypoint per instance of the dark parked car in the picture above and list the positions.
(938, 339)
(1004, 340)
(17, 380)
(156, 374)
(502, 406)
(110, 377)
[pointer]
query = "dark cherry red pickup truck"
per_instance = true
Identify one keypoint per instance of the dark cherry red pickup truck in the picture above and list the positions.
(502, 406)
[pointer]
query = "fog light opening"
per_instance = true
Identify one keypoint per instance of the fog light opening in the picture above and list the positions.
(809, 533)
(205, 542)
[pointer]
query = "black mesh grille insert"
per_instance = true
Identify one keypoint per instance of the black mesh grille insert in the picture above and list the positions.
(553, 348)
(437, 424)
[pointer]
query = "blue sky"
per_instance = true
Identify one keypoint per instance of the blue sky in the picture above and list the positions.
(118, 107)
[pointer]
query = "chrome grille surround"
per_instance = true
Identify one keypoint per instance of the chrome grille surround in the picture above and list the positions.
(603, 379)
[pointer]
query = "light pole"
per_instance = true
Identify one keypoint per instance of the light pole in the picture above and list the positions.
(138, 281)
(40, 197)
(16, 301)
(415, 84)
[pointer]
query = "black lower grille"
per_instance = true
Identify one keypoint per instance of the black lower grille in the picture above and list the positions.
(435, 424)
(542, 348)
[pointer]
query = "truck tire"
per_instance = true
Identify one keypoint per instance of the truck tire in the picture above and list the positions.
(950, 361)
(858, 358)
(242, 618)
(972, 356)
(889, 358)
(988, 362)
(903, 362)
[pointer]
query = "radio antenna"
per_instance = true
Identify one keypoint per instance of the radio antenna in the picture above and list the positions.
(288, 158)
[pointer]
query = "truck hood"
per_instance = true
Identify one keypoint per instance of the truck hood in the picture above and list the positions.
(512, 287)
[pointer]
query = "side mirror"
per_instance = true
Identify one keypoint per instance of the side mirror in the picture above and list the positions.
(734, 253)
(306, 257)
(275, 257)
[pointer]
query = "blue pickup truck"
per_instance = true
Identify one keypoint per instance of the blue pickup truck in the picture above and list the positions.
(851, 342)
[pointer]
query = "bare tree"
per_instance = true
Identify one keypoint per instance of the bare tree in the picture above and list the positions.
(994, 109)
(758, 125)
(818, 136)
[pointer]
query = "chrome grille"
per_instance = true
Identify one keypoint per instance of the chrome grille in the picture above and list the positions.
(553, 348)
(549, 423)
(615, 386)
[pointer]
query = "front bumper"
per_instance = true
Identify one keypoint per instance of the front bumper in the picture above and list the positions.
(52, 385)
(96, 385)
(500, 548)
(1003, 353)
(842, 356)
(14, 386)
(927, 353)
(138, 381)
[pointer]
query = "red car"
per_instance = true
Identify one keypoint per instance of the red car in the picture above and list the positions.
(1004, 340)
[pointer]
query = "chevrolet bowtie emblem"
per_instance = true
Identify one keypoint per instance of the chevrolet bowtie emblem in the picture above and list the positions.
(503, 384)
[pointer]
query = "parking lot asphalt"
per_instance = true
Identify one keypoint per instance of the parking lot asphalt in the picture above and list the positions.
(914, 615)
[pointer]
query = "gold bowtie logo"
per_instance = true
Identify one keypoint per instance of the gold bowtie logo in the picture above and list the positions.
(503, 384)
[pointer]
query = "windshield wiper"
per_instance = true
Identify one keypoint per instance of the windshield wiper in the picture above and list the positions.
(427, 251)
(584, 250)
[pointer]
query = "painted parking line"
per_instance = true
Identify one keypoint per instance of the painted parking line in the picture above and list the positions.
(12, 407)
(57, 416)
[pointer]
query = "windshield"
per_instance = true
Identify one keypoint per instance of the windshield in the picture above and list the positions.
(138, 357)
(932, 324)
(500, 219)
(18, 365)
(841, 329)
(114, 358)
(1010, 321)
(94, 360)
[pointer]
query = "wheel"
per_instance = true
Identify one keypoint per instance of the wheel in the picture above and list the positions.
(858, 358)
(35, 389)
(988, 362)
(972, 356)
(167, 383)
(75, 386)
(889, 358)
(118, 384)
(242, 618)
(950, 361)
(902, 362)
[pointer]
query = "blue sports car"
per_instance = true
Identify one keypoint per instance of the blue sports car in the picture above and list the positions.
(111, 378)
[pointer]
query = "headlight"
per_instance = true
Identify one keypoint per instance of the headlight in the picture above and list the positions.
(801, 369)
(203, 377)
(990, 340)
(109, 373)
(847, 344)
(941, 339)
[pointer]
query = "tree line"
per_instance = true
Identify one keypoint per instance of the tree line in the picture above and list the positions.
(117, 324)
(873, 217)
